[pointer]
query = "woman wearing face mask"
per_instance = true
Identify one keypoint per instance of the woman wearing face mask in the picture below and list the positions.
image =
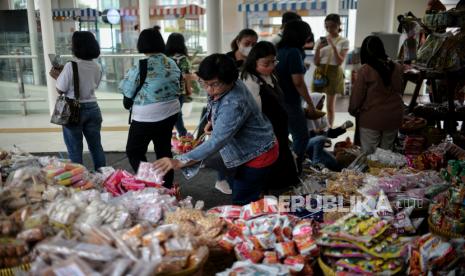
(330, 53)
(258, 76)
(241, 46)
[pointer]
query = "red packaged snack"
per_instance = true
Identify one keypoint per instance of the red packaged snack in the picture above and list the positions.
(245, 251)
(295, 263)
(285, 249)
(306, 246)
(303, 228)
(256, 256)
(270, 257)
(227, 211)
(259, 208)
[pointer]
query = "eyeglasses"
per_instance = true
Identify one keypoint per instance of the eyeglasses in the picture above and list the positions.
(268, 63)
(212, 85)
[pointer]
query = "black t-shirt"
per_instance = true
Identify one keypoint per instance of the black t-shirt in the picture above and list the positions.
(290, 63)
(239, 63)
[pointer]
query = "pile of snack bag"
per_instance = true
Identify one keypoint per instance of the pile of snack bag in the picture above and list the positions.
(139, 250)
(259, 234)
(372, 239)
(121, 181)
(434, 255)
(448, 212)
(184, 144)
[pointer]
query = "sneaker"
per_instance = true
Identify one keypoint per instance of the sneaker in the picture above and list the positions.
(328, 143)
(223, 186)
(347, 124)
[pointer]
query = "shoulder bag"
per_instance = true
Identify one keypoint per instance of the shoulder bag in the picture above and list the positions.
(66, 110)
(320, 77)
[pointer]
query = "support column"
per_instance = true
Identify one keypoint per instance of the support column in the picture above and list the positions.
(214, 27)
(144, 14)
(33, 40)
(233, 22)
(332, 6)
(48, 41)
(390, 15)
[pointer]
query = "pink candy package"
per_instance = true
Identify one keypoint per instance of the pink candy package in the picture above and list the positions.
(148, 173)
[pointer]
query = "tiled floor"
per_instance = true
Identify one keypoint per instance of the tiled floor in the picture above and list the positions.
(34, 133)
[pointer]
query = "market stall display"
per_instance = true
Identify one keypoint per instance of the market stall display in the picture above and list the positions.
(260, 235)
(447, 213)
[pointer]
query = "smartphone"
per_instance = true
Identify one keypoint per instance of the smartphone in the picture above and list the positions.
(323, 40)
(54, 60)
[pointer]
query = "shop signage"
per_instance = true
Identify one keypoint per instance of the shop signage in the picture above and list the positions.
(111, 16)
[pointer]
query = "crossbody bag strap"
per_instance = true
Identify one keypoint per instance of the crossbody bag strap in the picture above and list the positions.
(75, 80)
(142, 76)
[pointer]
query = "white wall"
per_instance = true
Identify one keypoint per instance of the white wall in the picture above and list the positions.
(381, 16)
(233, 22)
(417, 7)
(370, 18)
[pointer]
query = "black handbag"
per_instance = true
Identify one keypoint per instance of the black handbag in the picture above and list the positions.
(66, 110)
(129, 102)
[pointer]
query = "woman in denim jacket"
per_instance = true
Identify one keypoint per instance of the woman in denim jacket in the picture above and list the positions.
(156, 106)
(239, 131)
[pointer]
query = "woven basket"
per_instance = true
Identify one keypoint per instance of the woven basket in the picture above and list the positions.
(443, 233)
(193, 269)
(327, 271)
(15, 270)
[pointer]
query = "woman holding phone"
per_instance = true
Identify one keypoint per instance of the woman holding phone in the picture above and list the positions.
(330, 53)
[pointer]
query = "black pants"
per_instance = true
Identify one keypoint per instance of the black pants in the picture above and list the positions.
(140, 135)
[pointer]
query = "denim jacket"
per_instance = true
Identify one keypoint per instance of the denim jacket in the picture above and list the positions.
(161, 83)
(240, 131)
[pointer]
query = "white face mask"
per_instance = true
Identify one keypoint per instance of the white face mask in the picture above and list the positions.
(245, 50)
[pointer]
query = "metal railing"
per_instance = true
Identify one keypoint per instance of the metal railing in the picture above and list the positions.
(114, 68)
(19, 78)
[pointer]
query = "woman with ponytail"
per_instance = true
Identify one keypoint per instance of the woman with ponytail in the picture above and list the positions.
(376, 98)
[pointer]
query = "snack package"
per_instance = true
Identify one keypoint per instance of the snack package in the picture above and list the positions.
(258, 208)
(295, 263)
(306, 245)
(246, 251)
(147, 172)
(227, 211)
(230, 239)
(285, 249)
(162, 233)
(247, 268)
(72, 266)
(176, 247)
(271, 257)
(32, 235)
(137, 231)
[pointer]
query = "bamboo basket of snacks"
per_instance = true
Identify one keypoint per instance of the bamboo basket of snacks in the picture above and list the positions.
(443, 232)
(327, 271)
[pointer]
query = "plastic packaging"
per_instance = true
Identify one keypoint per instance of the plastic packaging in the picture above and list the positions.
(148, 173)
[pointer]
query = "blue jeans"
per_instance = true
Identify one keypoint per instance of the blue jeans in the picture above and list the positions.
(248, 184)
(317, 153)
(89, 125)
(297, 123)
(182, 131)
